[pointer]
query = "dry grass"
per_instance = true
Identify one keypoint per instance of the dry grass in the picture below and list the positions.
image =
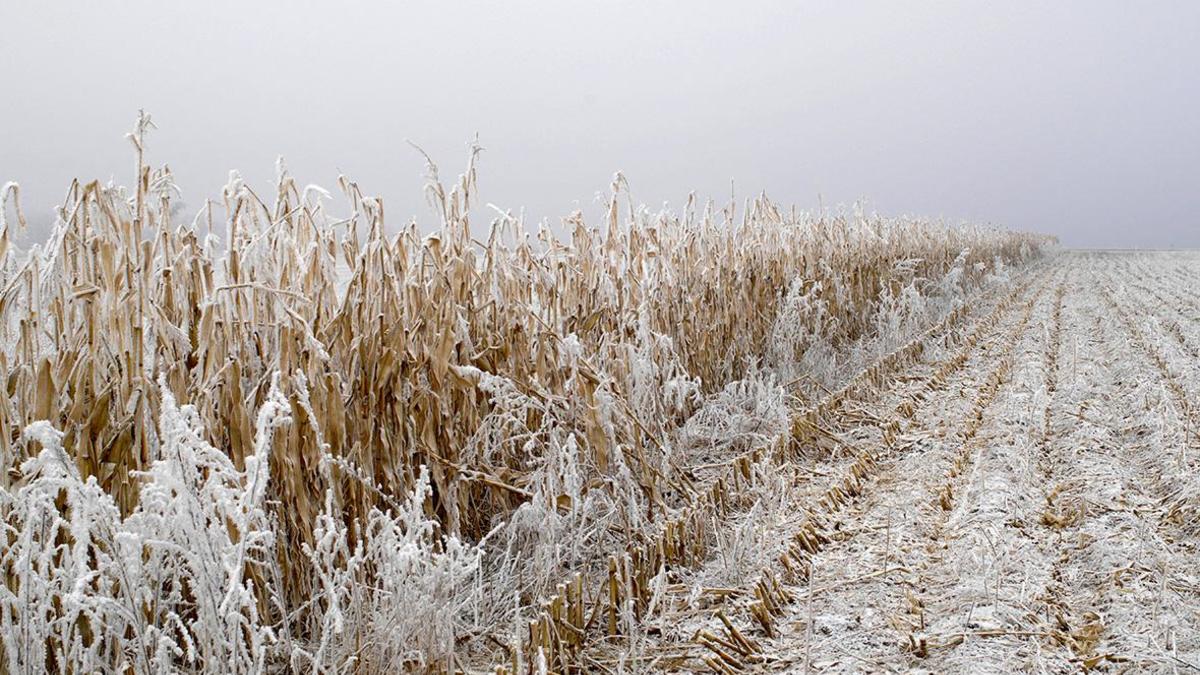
(540, 381)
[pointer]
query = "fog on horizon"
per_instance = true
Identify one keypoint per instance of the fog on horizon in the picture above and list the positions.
(1078, 119)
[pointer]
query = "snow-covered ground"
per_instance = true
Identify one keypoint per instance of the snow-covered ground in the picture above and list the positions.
(1031, 507)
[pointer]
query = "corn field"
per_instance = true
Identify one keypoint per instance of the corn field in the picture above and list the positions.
(275, 438)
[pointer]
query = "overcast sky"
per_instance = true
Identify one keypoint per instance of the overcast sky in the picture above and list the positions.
(1080, 119)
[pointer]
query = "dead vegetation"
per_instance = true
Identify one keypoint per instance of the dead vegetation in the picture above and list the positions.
(339, 449)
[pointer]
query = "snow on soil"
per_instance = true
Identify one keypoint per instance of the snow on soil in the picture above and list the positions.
(1046, 524)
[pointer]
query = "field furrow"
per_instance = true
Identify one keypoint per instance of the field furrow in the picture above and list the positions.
(1125, 591)
(1027, 503)
(882, 432)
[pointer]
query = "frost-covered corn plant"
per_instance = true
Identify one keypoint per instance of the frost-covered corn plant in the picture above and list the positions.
(746, 545)
(398, 597)
(799, 344)
(427, 584)
(10, 192)
(659, 386)
(746, 414)
(553, 531)
(59, 553)
(202, 544)
(178, 583)
(390, 593)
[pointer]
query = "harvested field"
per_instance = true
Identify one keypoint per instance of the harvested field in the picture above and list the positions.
(731, 438)
(1032, 511)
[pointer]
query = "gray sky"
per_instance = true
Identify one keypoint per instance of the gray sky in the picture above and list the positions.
(1080, 119)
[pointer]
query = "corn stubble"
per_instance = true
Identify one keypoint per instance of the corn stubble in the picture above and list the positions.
(304, 444)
